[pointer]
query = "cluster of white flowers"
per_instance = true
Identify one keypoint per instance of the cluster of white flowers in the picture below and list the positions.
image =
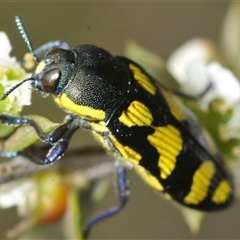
(12, 73)
(189, 65)
(14, 193)
(192, 67)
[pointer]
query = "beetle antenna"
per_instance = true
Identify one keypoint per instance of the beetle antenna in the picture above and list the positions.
(13, 88)
(25, 37)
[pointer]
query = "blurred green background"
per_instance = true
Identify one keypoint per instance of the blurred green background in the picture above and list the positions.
(159, 26)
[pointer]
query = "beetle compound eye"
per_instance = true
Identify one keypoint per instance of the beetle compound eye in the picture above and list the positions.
(50, 80)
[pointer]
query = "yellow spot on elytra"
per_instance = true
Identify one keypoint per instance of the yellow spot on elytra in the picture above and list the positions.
(40, 67)
(148, 178)
(200, 183)
(174, 104)
(222, 192)
(142, 79)
(83, 111)
(137, 114)
(168, 142)
(128, 153)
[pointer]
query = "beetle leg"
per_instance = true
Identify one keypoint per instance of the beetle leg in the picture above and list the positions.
(196, 96)
(124, 192)
(59, 137)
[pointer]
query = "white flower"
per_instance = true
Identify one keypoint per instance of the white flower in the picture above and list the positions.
(191, 68)
(189, 65)
(5, 47)
(226, 86)
(12, 73)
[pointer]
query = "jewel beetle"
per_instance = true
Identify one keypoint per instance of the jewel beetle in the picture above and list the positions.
(135, 118)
